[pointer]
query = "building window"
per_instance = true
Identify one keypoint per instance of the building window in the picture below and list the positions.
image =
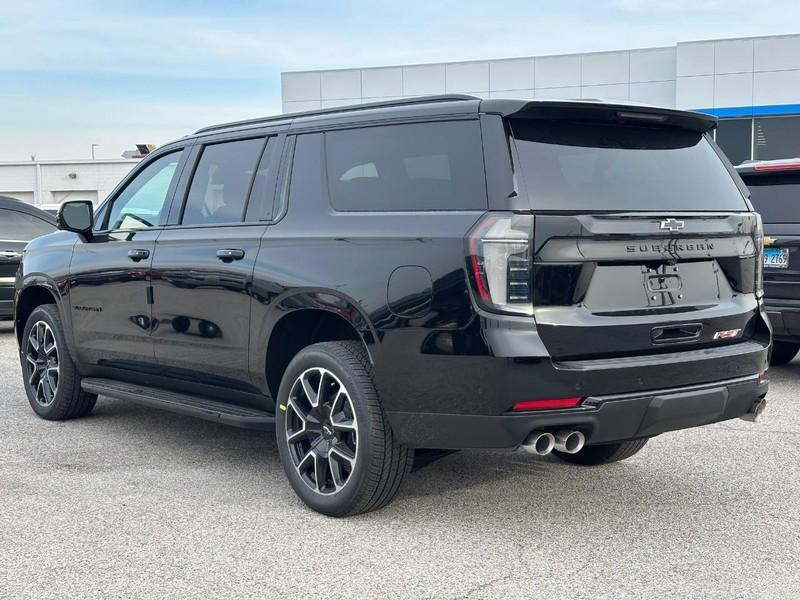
(777, 137)
(734, 136)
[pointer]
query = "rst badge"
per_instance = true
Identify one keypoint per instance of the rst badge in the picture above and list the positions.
(727, 334)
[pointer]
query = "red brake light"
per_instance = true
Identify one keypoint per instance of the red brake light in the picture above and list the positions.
(480, 284)
(547, 403)
(784, 166)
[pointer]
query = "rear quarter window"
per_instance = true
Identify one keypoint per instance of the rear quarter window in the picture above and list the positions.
(409, 167)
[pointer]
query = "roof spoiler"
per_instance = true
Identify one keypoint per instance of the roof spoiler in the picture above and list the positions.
(578, 110)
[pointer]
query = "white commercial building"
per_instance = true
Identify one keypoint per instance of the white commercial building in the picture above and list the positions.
(753, 84)
(51, 182)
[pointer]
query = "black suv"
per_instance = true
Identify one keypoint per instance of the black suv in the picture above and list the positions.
(775, 194)
(19, 224)
(437, 273)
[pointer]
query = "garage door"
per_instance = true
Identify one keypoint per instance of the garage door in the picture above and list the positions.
(24, 196)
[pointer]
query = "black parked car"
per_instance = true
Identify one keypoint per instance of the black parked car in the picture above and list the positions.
(19, 224)
(437, 273)
(775, 195)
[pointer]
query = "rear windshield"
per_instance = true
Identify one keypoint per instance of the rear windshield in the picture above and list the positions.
(775, 197)
(587, 167)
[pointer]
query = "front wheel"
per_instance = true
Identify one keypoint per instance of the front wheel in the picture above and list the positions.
(52, 383)
(334, 441)
(602, 454)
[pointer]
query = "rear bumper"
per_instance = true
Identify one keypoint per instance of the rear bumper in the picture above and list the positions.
(450, 400)
(784, 316)
(601, 418)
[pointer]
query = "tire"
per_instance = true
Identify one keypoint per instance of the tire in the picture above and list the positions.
(58, 395)
(602, 454)
(783, 353)
(340, 456)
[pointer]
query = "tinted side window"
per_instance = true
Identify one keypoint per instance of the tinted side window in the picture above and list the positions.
(221, 182)
(775, 197)
(19, 226)
(259, 207)
(140, 204)
(420, 166)
(306, 183)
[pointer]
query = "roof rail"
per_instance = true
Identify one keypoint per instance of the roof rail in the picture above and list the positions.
(340, 109)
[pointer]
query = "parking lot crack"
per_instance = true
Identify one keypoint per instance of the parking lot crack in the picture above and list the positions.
(509, 576)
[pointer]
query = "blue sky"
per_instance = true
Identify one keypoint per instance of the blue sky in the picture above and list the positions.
(120, 73)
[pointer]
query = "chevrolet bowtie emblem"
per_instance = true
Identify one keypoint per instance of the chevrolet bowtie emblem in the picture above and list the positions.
(768, 241)
(672, 224)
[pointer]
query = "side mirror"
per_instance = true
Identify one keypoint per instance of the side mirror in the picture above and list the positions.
(77, 216)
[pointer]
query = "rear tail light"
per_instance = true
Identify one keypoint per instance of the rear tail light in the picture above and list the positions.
(759, 270)
(778, 166)
(499, 262)
(547, 403)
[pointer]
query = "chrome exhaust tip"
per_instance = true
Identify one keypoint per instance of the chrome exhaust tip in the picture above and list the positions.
(754, 414)
(569, 442)
(540, 443)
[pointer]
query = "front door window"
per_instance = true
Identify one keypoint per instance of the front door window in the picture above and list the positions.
(142, 201)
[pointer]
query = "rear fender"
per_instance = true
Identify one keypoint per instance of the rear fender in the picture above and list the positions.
(326, 300)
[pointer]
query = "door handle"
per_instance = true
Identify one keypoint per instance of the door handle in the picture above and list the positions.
(230, 254)
(10, 254)
(139, 254)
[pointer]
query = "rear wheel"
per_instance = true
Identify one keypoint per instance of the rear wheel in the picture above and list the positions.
(783, 353)
(602, 454)
(52, 383)
(335, 444)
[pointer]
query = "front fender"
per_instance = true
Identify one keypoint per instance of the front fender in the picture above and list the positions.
(45, 265)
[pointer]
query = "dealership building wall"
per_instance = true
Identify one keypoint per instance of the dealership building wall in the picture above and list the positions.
(752, 84)
(53, 182)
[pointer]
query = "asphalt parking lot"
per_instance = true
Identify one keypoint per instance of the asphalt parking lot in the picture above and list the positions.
(138, 503)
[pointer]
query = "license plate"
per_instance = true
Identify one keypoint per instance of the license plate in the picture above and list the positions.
(776, 258)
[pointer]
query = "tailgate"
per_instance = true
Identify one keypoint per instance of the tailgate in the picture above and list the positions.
(643, 241)
(623, 284)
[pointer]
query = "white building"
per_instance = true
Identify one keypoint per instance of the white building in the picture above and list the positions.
(51, 182)
(751, 83)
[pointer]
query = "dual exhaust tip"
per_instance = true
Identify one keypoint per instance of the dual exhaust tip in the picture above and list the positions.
(542, 443)
(571, 441)
(757, 408)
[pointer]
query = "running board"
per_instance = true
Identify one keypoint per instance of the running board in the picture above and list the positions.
(195, 406)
